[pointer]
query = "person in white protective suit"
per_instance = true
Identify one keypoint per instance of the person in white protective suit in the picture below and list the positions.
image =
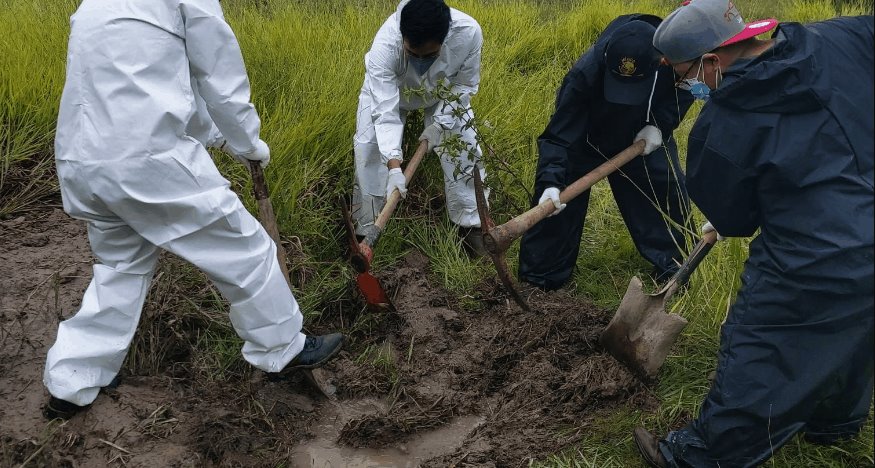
(149, 84)
(422, 43)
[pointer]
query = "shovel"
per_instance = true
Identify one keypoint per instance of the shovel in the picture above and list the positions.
(641, 333)
(362, 253)
(497, 239)
(267, 218)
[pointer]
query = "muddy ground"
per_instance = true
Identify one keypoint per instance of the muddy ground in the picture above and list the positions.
(430, 384)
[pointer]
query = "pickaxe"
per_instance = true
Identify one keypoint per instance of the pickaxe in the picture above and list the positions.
(497, 239)
(266, 215)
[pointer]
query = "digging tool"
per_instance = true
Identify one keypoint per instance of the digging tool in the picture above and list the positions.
(497, 239)
(641, 332)
(367, 283)
(362, 253)
(266, 215)
(268, 219)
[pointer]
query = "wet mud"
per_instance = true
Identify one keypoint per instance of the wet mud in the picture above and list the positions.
(433, 383)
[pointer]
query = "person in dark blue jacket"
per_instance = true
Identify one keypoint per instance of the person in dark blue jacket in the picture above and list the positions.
(784, 145)
(615, 94)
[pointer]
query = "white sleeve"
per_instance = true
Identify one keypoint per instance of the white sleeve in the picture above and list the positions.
(464, 83)
(383, 85)
(216, 63)
(201, 125)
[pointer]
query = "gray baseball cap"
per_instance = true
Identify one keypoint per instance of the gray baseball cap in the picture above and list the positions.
(696, 28)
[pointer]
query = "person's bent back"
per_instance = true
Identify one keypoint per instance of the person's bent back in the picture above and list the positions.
(139, 65)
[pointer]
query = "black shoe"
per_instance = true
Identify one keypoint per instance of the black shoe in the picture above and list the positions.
(57, 408)
(472, 241)
(648, 446)
(115, 382)
(318, 350)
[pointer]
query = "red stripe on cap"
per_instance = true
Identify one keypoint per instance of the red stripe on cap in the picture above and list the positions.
(754, 28)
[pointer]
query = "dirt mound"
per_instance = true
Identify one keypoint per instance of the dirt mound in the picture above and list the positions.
(530, 376)
(433, 383)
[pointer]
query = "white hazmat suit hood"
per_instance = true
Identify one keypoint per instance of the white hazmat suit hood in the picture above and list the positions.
(149, 84)
(388, 93)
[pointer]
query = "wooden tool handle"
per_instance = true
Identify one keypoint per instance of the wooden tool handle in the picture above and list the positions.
(501, 236)
(395, 196)
(266, 215)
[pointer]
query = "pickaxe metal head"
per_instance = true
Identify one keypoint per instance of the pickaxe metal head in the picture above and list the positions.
(497, 255)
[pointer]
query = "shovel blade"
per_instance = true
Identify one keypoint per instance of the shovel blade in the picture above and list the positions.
(371, 289)
(641, 333)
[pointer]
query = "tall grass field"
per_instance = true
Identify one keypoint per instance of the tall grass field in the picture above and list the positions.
(305, 62)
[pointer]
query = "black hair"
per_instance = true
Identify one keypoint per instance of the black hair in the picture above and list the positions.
(423, 21)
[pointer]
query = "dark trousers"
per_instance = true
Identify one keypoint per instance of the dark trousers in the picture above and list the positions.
(652, 197)
(795, 356)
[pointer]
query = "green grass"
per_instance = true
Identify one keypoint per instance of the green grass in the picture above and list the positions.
(305, 61)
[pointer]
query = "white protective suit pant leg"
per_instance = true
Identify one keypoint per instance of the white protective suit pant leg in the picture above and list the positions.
(371, 174)
(126, 228)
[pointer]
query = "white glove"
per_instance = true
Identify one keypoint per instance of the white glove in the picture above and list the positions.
(433, 134)
(708, 227)
(652, 137)
(552, 194)
(396, 181)
(260, 154)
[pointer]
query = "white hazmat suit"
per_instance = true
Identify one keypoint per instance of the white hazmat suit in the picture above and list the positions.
(385, 99)
(149, 83)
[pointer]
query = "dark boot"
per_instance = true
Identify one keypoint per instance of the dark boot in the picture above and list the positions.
(57, 408)
(648, 446)
(318, 350)
(472, 241)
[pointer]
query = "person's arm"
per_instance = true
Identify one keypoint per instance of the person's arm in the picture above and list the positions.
(464, 84)
(216, 63)
(567, 128)
(383, 85)
(722, 187)
(201, 126)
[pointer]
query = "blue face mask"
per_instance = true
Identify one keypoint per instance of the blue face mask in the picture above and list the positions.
(700, 90)
(421, 65)
(697, 88)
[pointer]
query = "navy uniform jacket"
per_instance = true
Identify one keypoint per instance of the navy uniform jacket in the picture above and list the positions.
(582, 115)
(785, 145)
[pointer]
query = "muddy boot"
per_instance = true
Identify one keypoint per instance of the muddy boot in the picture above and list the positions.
(648, 446)
(57, 408)
(472, 241)
(318, 350)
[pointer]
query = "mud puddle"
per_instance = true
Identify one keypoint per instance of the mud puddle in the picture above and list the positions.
(324, 451)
